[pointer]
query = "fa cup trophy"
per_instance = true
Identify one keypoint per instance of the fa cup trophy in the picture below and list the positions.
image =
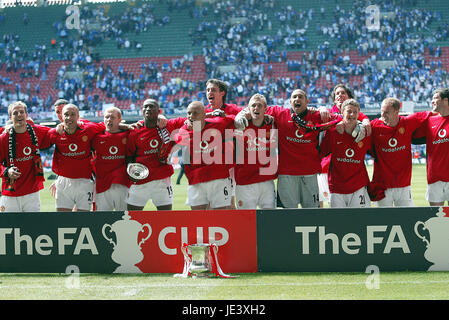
(201, 261)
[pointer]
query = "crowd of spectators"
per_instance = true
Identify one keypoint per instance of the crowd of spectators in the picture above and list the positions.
(241, 41)
(404, 44)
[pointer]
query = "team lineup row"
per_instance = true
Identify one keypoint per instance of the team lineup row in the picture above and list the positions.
(316, 155)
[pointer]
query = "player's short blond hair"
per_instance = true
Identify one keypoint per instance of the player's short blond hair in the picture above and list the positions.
(350, 102)
(15, 104)
(259, 97)
(114, 109)
(393, 102)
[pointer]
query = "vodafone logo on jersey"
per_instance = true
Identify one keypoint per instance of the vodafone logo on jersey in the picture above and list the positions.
(154, 143)
(256, 141)
(299, 137)
(442, 137)
(113, 150)
(299, 134)
(204, 145)
(73, 147)
(393, 146)
(349, 153)
(27, 151)
(392, 142)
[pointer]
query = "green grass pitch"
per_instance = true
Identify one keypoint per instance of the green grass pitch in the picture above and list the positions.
(252, 286)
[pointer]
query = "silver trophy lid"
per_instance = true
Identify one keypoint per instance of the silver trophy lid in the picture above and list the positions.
(137, 171)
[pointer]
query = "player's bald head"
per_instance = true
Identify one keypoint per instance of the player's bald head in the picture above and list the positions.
(197, 105)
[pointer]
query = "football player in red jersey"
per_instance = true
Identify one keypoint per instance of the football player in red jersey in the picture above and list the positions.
(23, 175)
(340, 94)
(110, 146)
(391, 149)
(144, 146)
(299, 158)
(205, 158)
(348, 178)
(256, 165)
(57, 106)
(216, 92)
(72, 161)
(436, 131)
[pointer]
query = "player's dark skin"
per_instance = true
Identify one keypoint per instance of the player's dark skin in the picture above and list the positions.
(150, 113)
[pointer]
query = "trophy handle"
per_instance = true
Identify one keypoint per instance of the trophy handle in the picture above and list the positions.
(419, 235)
(105, 236)
(148, 236)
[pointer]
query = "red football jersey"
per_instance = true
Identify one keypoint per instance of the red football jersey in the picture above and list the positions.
(72, 156)
(391, 148)
(436, 131)
(256, 154)
(144, 144)
(110, 160)
(208, 158)
(347, 171)
(325, 161)
(298, 149)
(24, 160)
(228, 108)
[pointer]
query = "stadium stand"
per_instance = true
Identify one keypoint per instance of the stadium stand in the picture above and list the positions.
(125, 52)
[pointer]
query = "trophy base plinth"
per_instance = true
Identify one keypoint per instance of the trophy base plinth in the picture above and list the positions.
(127, 269)
(201, 275)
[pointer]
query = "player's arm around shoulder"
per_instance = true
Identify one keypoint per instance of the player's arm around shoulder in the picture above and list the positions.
(176, 123)
(420, 133)
(54, 135)
(43, 137)
(276, 111)
(326, 144)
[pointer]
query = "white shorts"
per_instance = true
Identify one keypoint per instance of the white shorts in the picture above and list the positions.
(27, 203)
(251, 196)
(112, 199)
(323, 185)
(217, 193)
(71, 192)
(294, 190)
(159, 191)
(358, 199)
(438, 192)
(398, 197)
